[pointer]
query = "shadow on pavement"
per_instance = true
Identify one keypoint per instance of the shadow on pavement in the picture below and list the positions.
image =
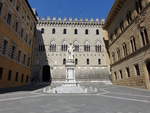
(30, 87)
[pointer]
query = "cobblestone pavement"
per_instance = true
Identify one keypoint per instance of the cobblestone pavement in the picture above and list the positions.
(109, 99)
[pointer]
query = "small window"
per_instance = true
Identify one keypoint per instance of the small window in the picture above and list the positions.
(133, 44)
(9, 75)
(5, 45)
(144, 36)
(128, 72)
(75, 31)
(99, 61)
(86, 31)
(53, 31)
(121, 74)
(97, 32)
(30, 42)
(113, 57)
(65, 31)
(42, 30)
(64, 61)
(19, 55)
(24, 59)
(118, 54)
(17, 75)
(129, 17)
(13, 51)
(76, 61)
(125, 50)
(9, 16)
(115, 74)
(88, 61)
(138, 6)
(1, 73)
(137, 69)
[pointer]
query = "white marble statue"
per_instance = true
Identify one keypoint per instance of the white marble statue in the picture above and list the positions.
(70, 52)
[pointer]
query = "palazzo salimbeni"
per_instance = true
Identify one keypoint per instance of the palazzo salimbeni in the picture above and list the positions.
(34, 48)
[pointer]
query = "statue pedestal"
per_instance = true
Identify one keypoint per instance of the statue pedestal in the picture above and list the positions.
(70, 85)
(70, 74)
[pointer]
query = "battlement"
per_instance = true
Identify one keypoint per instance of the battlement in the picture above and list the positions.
(70, 21)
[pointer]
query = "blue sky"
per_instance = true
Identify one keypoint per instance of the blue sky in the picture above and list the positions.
(72, 8)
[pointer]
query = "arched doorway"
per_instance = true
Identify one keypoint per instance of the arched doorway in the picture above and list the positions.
(148, 67)
(46, 74)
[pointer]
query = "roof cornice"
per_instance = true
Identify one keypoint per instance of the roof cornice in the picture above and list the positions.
(113, 12)
(31, 10)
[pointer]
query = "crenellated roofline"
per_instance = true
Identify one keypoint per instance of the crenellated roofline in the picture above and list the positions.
(70, 21)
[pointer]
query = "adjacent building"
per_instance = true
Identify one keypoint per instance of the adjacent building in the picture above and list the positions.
(54, 36)
(128, 26)
(17, 34)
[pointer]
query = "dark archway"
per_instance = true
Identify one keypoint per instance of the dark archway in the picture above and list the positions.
(148, 67)
(46, 74)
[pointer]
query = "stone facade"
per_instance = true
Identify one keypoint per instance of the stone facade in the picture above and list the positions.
(53, 37)
(17, 29)
(128, 28)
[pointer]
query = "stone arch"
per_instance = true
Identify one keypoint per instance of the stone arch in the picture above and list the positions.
(86, 43)
(98, 42)
(64, 42)
(76, 42)
(53, 42)
(46, 73)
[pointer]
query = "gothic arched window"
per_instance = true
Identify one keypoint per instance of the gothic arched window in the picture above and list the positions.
(133, 43)
(124, 45)
(64, 46)
(87, 47)
(98, 47)
(53, 46)
(118, 54)
(76, 45)
(144, 36)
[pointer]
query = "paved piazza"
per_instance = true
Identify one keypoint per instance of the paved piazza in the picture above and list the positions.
(109, 99)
